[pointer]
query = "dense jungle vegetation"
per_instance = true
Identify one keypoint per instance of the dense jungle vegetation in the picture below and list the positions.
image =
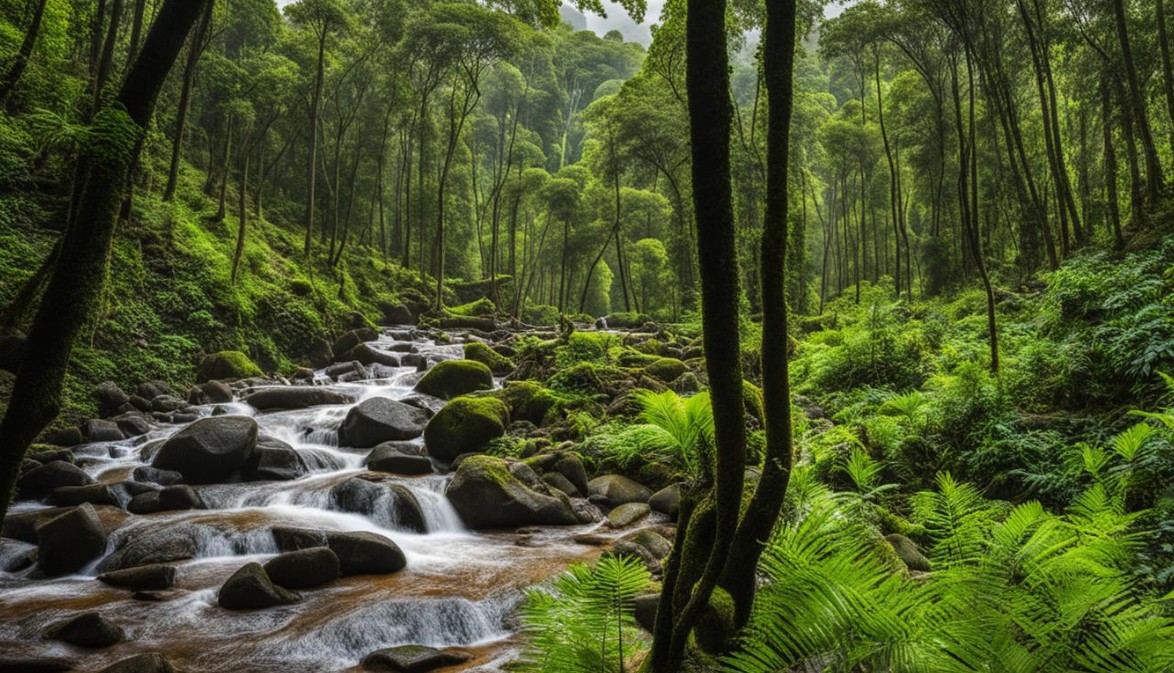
(877, 299)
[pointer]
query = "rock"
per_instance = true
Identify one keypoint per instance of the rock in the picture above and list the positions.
(110, 398)
(529, 401)
(487, 495)
(351, 339)
(556, 480)
(140, 663)
(41, 481)
(226, 366)
(453, 378)
(153, 475)
(155, 577)
(414, 360)
(412, 659)
(294, 397)
(303, 569)
(43, 453)
(363, 553)
(685, 383)
(465, 425)
(212, 392)
(275, 460)
(140, 403)
(570, 465)
(645, 611)
(180, 497)
(379, 419)
(210, 449)
(145, 503)
(666, 370)
(89, 629)
(16, 555)
(339, 370)
(716, 628)
(288, 538)
(70, 496)
(646, 544)
(164, 545)
(97, 430)
(14, 665)
(64, 437)
(394, 501)
(133, 423)
(251, 589)
(497, 363)
(398, 314)
(908, 552)
(167, 403)
(627, 514)
(68, 542)
(151, 389)
(370, 355)
(390, 457)
(667, 501)
(618, 489)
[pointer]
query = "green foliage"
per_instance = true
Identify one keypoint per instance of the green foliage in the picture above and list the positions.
(585, 623)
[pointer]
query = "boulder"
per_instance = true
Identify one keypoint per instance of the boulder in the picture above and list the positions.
(529, 401)
(379, 419)
(275, 460)
(210, 449)
(412, 659)
(398, 314)
(44, 453)
(294, 397)
(180, 497)
(617, 489)
(364, 553)
(251, 589)
(370, 355)
(667, 501)
(163, 545)
(155, 577)
(627, 514)
(98, 430)
(392, 504)
(110, 398)
(666, 370)
(570, 465)
(303, 569)
(145, 503)
(70, 496)
(453, 378)
(67, 543)
(153, 475)
(151, 662)
(351, 339)
(556, 480)
(288, 538)
(133, 423)
(64, 437)
(88, 629)
(212, 392)
(165, 404)
(908, 552)
(340, 370)
(497, 363)
(41, 481)
(225, 366)
(391, 457)
(149, 390)
(465, 425)
(645, 611)
(487, 495)
(16, 555)
(17, 665)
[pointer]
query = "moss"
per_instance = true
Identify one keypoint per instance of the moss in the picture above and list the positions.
(465, 425)
(716, 627)
(531, 402)
(627, 320)
(752, 399)
(453, 378)
(479, 352)
(480, 308)
(633, 358)
(588, 378)
(666, 370)
(227, 365)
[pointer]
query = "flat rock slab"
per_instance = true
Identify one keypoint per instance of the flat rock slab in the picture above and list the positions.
(412, 659)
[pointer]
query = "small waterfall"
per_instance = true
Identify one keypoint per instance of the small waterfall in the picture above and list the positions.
(439, 514)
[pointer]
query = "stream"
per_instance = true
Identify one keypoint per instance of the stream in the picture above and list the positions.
(459, 589)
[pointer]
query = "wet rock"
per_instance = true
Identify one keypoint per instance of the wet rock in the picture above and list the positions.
(275, 460)
(394, 501)
(294, 397)
(153, 475)
(165, 545)
(110, 398)
(908, 552)
(68, 542)
(667, 501)
(133, 423)
(140, 403)
(98, 430)
(414, 360)
(570, 465)
(251, 589)
(487, 495)
(180, 497)
(44, 454)
(167, 403)
(303, 569)
(465, 425)
(15, 665)
(378, 419)
(412, 659)
(618, 489)
(145, 503)
(453, 378)
(141, 663)
(210, 449)
(16, 555)
(497, 363)
(645, 611)
(288, 538)
(64, 437)
(363, 553)
(586, 512)
(149, 390)
(351, 339)
(226, 366)
(391, 457)
(155, 577)
(41, 481)
(212, 392)
(556, 480)
(370, 355)
(397, 314)
(628, 514)
(340, 369)
(89, 629)
(69, 496)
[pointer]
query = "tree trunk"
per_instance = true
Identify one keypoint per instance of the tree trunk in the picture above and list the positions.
(75, 288)
(1137, 106)
(312, 158)
(12, 77)
(1110, 162)
(1167, 68)
(195, 49)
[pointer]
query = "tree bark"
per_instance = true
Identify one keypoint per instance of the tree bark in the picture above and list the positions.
(1137, 106)
(195, 49)
(12, 77)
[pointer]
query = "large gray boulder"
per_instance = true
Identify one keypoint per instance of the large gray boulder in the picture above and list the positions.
(398, 458)
(157, 577)
(453, 378)
(364, 553)
(275, 460)
(412, 659)
(163, 545)
(88, 629)
(617, 489)
(110, 398)
(379, 419)
(70, 541)
(303, 569)
(294, 397)
(210, 449)
(251, 589)
(391, 504)
(351, 339)
(41, 481)
(487, 494)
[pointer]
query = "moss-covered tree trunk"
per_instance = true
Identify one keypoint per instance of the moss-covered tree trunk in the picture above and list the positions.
(16, 69)
(76, 285)
(704, 545)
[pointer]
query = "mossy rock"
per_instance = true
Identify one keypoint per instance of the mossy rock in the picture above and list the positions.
(752, 399)
(529, 401)
(627, 320)
(479, 352)
(465, 425)
(634, 358)
(592, 379)
(480, 308)
(227, 365)
(908, 552)
(487, 493)
(666, 370)
(716, 628)
(453, 378)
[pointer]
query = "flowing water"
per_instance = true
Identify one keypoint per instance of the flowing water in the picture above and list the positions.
(460, 588)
